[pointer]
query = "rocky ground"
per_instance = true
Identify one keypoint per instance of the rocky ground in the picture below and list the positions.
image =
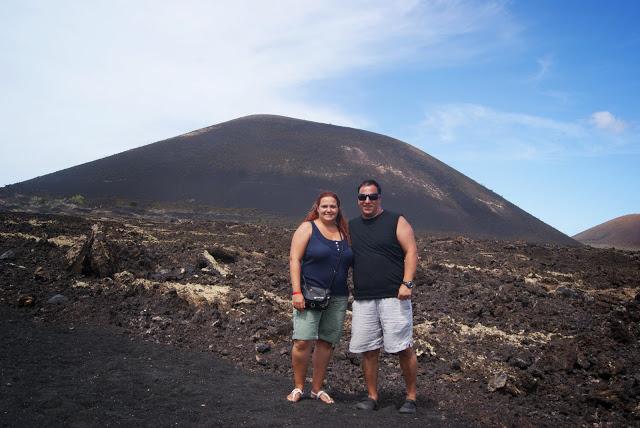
(507, 333)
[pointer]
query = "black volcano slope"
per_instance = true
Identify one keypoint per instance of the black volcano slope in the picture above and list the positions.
(621, 232)
(279, 164)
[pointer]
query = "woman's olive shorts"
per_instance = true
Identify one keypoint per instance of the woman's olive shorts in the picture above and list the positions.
(325, 325)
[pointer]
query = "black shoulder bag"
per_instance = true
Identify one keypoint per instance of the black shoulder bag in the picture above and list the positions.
(316, 297)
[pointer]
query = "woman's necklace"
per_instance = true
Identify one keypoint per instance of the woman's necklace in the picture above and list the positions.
(333, 235)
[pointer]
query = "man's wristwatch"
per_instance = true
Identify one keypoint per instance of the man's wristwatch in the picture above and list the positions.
(408, 284)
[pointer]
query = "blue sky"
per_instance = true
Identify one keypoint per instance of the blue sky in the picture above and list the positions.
(536, 100)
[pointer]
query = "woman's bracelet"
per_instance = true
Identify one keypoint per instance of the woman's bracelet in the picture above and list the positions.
(296, 292)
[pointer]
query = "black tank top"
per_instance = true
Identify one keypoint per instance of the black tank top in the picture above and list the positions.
(378, 264)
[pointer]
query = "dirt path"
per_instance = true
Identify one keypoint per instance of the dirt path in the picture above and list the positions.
(60, 375)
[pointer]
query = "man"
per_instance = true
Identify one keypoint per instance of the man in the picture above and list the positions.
(385, 260)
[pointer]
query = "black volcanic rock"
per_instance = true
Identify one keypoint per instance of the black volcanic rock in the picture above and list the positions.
(278, 165)
(554, 360)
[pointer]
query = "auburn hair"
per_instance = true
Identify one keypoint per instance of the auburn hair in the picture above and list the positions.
(341, 221)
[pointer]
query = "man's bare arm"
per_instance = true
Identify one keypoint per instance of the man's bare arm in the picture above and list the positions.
(407, 240)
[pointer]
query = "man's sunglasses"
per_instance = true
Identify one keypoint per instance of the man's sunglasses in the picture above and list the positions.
(371, 196)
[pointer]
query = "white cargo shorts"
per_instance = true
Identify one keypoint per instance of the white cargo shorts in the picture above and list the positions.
(379, 322)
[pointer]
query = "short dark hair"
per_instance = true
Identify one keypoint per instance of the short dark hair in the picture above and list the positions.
(370, 182)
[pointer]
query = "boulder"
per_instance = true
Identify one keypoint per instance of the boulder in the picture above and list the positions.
(497, 382)
(58, 299)
(124, 277)
(41, 275)
(91, 256)
(8, 255)
(208, 260)
(262, 348)
(26, 300)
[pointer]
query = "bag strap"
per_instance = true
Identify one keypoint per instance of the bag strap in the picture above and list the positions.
(335, 270)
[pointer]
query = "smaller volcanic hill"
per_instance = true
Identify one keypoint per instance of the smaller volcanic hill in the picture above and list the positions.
(621, 232)
(278, 165)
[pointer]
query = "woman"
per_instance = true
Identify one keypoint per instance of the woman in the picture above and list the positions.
(319, 246)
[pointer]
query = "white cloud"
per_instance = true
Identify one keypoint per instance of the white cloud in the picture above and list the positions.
(608, 122)
(471, 131)
(81, 80)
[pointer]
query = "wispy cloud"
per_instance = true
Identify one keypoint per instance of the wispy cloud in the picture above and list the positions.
(471, 131)
(544, 67)
(80, 80)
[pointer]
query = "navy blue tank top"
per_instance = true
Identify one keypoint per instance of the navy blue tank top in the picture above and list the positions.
(321, 258)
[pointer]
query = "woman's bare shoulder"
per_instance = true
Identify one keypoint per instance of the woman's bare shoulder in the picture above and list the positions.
(305, 228)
